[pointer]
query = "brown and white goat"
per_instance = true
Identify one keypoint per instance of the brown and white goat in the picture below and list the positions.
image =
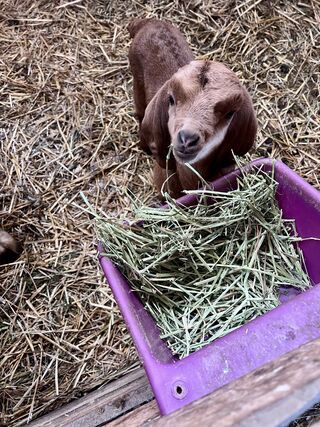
(197, 106)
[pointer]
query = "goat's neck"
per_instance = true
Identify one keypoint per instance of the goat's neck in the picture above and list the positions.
(208, 169)
(188, 179)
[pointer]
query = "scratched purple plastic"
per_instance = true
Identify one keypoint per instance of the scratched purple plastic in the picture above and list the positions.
(296, 321)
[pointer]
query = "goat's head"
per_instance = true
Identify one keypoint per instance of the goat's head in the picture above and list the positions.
(204, 110)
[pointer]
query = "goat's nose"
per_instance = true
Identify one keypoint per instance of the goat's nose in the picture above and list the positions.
(188, 139)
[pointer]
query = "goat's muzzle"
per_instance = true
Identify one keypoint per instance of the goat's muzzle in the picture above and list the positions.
(186, 146)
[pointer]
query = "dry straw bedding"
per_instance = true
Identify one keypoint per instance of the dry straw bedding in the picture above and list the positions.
(67, 125)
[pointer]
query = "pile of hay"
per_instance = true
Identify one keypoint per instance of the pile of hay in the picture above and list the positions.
(203, 271)
(67, 125)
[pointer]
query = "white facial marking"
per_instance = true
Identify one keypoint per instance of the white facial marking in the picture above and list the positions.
(213, 143)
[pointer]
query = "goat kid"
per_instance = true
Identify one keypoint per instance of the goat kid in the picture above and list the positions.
(197, 106)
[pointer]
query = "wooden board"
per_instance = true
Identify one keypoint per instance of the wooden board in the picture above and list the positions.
(272, 395)
(138, 417)
(102, 405)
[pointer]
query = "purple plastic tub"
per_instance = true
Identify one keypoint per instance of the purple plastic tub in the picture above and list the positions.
(296, 321)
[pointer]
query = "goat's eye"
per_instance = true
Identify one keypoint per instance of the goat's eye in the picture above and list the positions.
(171, 100)
(230, 115)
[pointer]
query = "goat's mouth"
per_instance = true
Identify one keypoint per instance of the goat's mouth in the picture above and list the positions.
(184, 156)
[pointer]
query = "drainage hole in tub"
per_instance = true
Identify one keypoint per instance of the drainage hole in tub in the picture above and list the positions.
(179, 390)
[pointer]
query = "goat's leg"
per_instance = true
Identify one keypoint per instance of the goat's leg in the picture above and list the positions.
(140, 106)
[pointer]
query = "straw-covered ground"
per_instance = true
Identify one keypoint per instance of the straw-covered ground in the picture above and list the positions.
(67, 125)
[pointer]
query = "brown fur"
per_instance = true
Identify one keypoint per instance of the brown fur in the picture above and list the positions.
(10, 249)
(177, 97)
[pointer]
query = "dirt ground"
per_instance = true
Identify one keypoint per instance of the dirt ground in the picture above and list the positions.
(67, 126)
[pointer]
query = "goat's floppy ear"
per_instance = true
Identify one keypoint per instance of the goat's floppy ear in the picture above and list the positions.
(229, 105)
(154, 132)
(243, 127)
